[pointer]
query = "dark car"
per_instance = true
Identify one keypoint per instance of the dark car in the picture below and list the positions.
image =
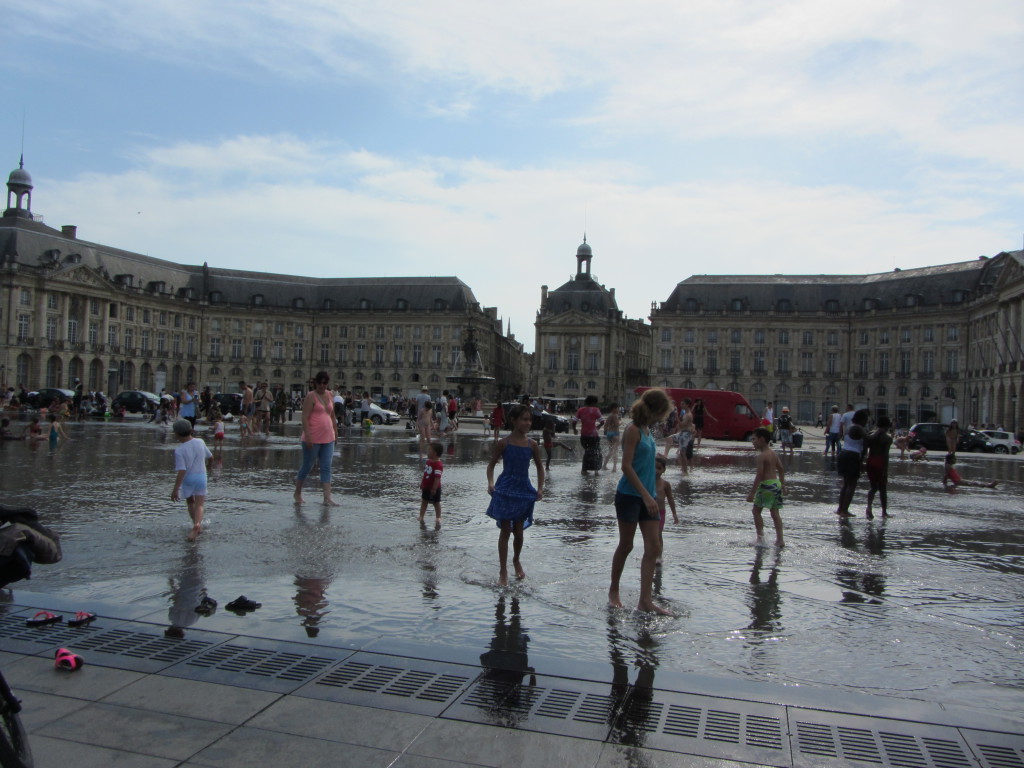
(136, 401)
(932, 436)
(229, 402)
(43, 397)
(540, 418)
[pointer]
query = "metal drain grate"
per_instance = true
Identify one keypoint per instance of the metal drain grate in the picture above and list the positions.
(262, 664)
(389, 682)
(996, 750)
(703, 725)
(820, 738)
(19, 638)
(550, 705)
(139, 651)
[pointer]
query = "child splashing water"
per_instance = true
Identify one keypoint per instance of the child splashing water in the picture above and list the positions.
(513, 497)
(636, 505)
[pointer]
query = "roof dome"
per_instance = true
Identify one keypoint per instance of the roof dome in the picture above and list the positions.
(584, 249)
(20, 177)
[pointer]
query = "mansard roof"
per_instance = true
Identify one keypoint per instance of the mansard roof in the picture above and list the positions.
(923, 286)
(584, 294)
(35, 245)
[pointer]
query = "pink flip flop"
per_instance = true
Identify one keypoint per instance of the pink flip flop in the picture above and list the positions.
(66, 660)
(43, 618)
(81, 619)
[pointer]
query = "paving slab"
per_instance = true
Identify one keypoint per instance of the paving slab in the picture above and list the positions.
(132, 730)
(37, 673)
(496, 747)
(193, 698)
(247, 747)
(332, 721)
(40, 709)
(59, 753)
(619, 756)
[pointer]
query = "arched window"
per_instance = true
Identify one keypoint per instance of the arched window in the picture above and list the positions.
(949, 392)
(571, 385)
(880, 391)
(434, 378)
(926, 392)
(831, 391)
(757, 388)
(591, 385)
(550, 384)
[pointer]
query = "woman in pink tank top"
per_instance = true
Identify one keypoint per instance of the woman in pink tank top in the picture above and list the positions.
(319, 433)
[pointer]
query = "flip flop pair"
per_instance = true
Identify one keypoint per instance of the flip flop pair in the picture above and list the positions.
(67, 661)
(206, 606)
(44, 618)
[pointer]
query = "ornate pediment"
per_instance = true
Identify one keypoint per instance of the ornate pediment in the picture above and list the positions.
(82, 276)
(571, 318)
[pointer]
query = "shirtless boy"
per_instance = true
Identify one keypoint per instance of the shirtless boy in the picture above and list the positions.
(769, 486)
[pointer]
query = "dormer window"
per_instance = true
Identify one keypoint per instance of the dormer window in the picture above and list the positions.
(736, 305)
(959, 296)
(298, 303)
(690, 305)
(157, 286)
(257, 300)
(125, 280)
(440, 305)
(831, 305)
(216, 297)
(365, 304)
(328, 304)
(784, 305)
(911, 300)
(401, 304)
(870, 304)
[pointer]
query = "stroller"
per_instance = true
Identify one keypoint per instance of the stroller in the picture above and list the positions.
(24, 541)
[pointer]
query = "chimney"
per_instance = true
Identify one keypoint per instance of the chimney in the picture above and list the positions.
(543, 294)
(69, 231)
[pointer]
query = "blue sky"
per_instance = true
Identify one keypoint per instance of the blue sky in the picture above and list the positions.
(454, 137)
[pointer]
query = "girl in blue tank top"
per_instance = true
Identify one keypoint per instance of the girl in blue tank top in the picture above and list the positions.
(636, 504)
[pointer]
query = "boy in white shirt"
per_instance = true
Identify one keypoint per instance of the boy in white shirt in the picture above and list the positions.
(190, 484)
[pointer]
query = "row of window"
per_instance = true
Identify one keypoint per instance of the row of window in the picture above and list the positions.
(903, 362)
(807, 338)
(831, 305)
(572, 360)
(380, 354)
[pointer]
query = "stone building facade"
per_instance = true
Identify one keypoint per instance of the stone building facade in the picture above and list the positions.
(918, 344)
(121, 320)
(584, 345)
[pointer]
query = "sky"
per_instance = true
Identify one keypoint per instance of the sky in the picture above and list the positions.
(373, 138)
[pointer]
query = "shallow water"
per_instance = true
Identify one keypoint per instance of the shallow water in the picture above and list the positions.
(927, 604)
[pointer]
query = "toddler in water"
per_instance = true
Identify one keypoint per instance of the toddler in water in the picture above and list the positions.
(951, 478)
(513, 497)
(664, 497)
(190, 483)
(430, 485)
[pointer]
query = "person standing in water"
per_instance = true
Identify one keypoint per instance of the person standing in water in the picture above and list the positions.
(636, 503)
(513, 497)
(319, 433)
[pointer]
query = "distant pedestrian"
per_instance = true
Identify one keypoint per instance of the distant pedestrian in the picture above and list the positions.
(786, 429)
(190, 482)
(590, 419)
(833, 432)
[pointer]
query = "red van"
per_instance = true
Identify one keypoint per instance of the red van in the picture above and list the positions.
(729, 415)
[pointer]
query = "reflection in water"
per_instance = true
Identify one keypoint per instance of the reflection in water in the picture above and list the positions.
(187, 587)
(765, 600)
(637, 717)
(315, 575)
(506, 665)
(428, 564)
(861, 586)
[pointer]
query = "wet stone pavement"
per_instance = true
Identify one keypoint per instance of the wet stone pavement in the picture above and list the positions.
(382, 636)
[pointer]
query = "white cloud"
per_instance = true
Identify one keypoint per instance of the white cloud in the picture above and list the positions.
(504, 231)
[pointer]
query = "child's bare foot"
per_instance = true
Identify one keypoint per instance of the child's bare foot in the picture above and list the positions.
(503, 577)
(613, 599)
(194, 533)
(869, 514)
(520, 573)
(329, 502)
(653, 608)
(437, 522)
(780, 543)
(298, 497)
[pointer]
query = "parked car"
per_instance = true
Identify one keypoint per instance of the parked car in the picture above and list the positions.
(380, 415)
(136, 401)
(229, 402)
(542, 417)
(932, 436)
(1002, 442)
(42, 398)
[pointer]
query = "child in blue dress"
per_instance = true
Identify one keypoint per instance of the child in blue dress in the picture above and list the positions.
(513, 497)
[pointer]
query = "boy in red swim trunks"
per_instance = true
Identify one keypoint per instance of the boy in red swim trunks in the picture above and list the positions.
(878, 444)
(951, 478)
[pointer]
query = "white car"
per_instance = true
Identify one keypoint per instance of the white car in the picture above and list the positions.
(378, 415)
(1004, 442)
